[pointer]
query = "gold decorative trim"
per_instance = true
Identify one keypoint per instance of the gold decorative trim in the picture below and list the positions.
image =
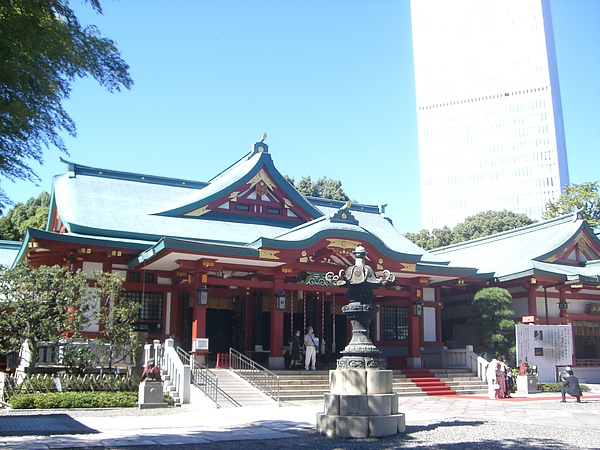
(198, 212)
(288, 204)
(343, 243)
(262, 176)
(583, 242)
(551, 259)
(268, 254)
(408, 267)
(234, 195)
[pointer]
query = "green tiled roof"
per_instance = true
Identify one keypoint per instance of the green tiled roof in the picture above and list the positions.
(521, 251)
(120, 205)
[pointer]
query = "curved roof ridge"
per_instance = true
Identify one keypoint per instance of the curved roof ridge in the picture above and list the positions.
(556, 221)
(74, 169)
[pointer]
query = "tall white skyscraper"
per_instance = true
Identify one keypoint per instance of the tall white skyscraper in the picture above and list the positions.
(489, 114)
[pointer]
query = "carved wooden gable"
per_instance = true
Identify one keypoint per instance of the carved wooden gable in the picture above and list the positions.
(580, 250)
(259, 197)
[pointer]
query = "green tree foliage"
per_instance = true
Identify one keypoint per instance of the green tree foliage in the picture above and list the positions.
(487, 223)
(492, 320)
(323, 188)
(117, 316)
(473, 227)
(38, 305)
(32, 214)
(43, 49)
(439, 237)
(584, 197)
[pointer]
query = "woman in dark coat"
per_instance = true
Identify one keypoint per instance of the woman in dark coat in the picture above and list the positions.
(295, 344)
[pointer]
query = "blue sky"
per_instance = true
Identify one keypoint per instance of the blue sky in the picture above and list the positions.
(331, 82)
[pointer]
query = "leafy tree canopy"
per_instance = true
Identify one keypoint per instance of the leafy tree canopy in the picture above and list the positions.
(480, 225)
(32, 214)
(117, 317)
(43, 49)
(584, 197)
(492, 319)
(323, 188)
(39, 305)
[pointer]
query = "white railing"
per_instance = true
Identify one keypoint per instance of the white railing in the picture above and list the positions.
(179, 373)
(438, 358)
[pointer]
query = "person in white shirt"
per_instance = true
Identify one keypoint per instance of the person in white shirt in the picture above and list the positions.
(311, 344)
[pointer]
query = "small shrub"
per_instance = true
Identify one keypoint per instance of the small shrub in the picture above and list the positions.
(556, 387)
(168, 400)
(57, 400)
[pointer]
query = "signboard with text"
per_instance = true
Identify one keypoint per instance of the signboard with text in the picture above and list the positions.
(545, 346)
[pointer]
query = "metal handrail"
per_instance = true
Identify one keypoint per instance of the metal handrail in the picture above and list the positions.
(258, 376)
(205, 380)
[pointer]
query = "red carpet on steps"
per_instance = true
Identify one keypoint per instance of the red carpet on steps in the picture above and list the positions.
(428, 383)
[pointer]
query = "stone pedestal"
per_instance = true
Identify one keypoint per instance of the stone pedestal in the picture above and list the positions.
(150, 395)
(360, 404)
(361, 401)
(527, 384)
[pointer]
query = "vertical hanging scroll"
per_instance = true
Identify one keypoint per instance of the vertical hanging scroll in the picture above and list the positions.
(333, 327)
(292, 313)
(304, 299)
(322, 294)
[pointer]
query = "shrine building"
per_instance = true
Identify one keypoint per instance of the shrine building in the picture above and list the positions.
(242, 260)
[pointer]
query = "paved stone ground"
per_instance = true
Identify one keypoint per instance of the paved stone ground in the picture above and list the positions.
(465, 422)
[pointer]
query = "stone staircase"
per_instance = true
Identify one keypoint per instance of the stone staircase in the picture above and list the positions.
(297, 385)
(300, 385)
(438, 382)
(311, 385)
(170, 388)
(241, 392)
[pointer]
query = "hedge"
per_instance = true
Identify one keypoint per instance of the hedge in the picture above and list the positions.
(555, 387)
(57, 400)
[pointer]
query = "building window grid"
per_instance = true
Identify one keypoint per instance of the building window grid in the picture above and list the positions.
(151, 308)
(395, 323)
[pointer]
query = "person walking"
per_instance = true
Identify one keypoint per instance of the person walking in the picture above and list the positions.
(311, 344)
(295, 344)
(571, 386)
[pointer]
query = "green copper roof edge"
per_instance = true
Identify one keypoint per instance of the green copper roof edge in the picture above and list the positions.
(447, 269)
(84, 230)
(355, 206)
(348, 234)
(168, 243)
(572, 217)
(132, 176)
(31, 233)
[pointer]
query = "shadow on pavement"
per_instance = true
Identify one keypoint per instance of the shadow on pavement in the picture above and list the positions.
(42, 425)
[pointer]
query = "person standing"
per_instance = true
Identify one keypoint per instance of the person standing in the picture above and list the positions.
(295, 344)
(311, 344)
(492, 379)
(571, 386)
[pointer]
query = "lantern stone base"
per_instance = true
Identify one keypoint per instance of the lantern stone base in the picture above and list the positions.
(150, 395)
(527, 384)
(360, 404)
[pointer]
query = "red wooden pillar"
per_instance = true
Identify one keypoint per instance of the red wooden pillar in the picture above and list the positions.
(532, 301)
(276, 360)
(199, 320)
(414, 332)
